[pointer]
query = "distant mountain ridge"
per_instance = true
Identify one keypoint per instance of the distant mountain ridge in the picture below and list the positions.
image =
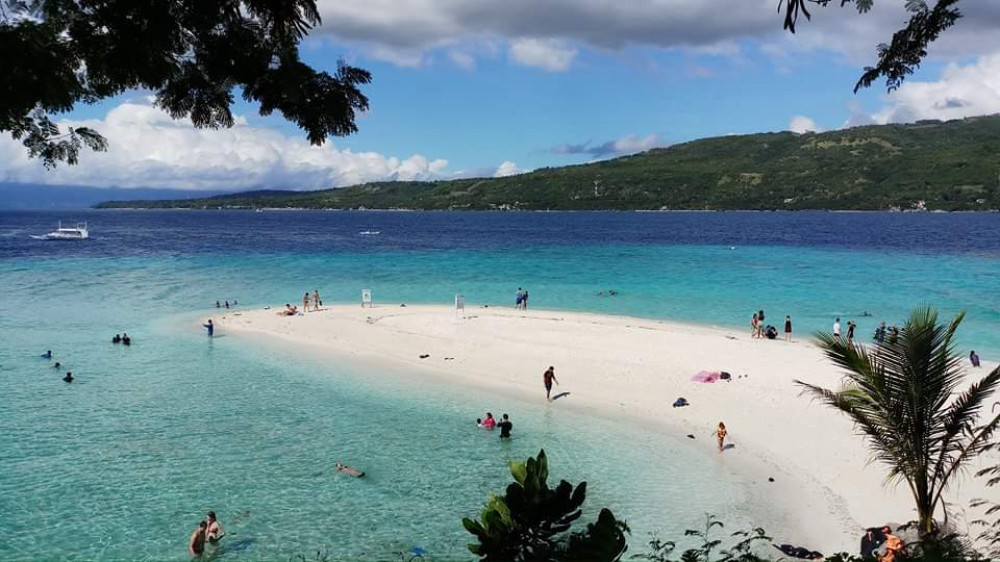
(928, 165)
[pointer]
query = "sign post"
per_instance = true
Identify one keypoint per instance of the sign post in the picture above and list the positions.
(459, 304)
(366, 298)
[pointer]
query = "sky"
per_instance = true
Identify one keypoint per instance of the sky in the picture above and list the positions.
(488, 88)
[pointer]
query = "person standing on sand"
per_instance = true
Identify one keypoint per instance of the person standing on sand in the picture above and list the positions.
(850, 331)
(720, 433)
(788, 328)
(836, 329)
(305, 302)
(524, 300)
(754, 331)
(549, 377)
(196, 546)
(316, 301)
(519, 299)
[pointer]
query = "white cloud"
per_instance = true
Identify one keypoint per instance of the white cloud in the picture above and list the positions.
(550, 55)
(462, 59)
(635, 143)
(625, 145)
(508, 168)
(149, 149)
(696, 26)
(962, 91)
(802, 124)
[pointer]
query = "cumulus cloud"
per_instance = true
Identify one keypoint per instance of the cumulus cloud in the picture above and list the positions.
(149, 149)
(625, 145)
(462, 59)
(802, 124)
(698, 26)
(508, 168)
(548, 54)
(962, 91)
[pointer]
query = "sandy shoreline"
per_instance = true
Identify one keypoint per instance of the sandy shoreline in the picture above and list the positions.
(635, 368)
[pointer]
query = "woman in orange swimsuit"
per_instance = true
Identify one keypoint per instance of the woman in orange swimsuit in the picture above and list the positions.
(720, 433)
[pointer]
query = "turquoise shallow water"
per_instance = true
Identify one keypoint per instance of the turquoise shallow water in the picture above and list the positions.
(123, 463)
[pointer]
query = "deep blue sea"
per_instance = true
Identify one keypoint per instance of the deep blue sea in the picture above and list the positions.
(123, 463)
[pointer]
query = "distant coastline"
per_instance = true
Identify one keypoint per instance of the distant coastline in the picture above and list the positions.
(924, 166)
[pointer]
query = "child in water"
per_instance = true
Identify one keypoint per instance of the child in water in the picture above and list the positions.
(721, 433)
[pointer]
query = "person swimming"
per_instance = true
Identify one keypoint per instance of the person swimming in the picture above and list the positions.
(117, 338)
(125, 339)
(47, 354)
(479, 422)
(58, 365)
(214, 530)
(68, 377)
(349, 470)
(209, 327)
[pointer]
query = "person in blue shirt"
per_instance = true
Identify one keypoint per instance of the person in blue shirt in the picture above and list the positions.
(47, 354)
(210, 327)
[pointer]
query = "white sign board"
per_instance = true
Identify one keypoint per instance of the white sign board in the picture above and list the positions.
(366, 298)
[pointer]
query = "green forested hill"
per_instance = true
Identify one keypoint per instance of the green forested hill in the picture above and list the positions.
(952, 165)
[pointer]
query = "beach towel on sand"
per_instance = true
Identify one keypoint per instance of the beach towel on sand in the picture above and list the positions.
(706, 376)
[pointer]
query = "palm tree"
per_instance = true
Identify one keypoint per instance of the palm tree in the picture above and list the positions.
(902, 397)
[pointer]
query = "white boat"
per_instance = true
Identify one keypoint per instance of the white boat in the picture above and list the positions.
(79, 232)
(370, 232)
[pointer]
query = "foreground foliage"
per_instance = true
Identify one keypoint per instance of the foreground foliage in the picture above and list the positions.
(192, 54)
(532, 521)
(903, 54)
(903, 397)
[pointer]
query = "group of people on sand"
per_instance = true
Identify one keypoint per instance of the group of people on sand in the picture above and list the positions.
(209, 530)
(315, 301)
(58, 366)
(521, 300)
(122, 338)
(490, 423)
(760, 330)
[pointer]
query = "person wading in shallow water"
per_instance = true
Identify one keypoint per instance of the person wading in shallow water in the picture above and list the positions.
(196, 546)
(549, 377)
(720, 434)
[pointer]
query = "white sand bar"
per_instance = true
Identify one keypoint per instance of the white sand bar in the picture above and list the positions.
(633, 369)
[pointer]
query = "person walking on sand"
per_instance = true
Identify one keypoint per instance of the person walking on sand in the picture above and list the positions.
(850, 331)
(305, 302)
(196, 546)
(316, 301)
(788, 328)
(836, 329)
(549, 377)
(720, 434)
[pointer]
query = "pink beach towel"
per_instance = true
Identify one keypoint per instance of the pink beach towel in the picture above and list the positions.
(706, 376)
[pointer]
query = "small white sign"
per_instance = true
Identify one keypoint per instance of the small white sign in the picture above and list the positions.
(366, 298)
